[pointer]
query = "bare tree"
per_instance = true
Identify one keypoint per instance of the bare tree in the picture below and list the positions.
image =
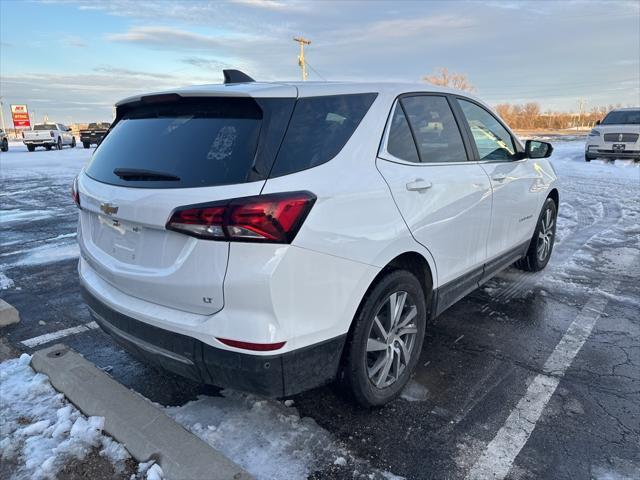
(444, 78)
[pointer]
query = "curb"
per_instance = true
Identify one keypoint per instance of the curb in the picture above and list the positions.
(144, 429)
(8, 314)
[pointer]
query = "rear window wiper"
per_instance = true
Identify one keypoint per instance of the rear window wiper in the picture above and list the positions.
(142, 175)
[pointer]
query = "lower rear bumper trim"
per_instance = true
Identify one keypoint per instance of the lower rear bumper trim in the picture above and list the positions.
(270, 375)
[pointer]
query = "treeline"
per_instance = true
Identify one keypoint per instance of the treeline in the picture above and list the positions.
(530, 116)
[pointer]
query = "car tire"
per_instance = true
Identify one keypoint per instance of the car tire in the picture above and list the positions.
(48, 147)
(376, 366)
(73, 142)
(31, 148)
(59, 144)
(587, 158)
(86, 144)
(544, 236)
(5, 145)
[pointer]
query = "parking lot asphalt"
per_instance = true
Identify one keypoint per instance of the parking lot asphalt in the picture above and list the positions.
(532, 375)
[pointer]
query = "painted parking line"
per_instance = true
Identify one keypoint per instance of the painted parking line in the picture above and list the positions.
(497, 459)
(50, 337)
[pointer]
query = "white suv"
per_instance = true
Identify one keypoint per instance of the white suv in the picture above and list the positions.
(272, 237)
(617, 136)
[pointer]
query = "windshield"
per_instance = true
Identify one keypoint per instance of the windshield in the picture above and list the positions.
(199, 142)
(45, 126)
(622, 117)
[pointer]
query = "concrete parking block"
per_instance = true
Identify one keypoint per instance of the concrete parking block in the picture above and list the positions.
(8, 314)
(144, 429)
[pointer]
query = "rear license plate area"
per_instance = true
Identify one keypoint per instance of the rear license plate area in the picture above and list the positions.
(120, 239)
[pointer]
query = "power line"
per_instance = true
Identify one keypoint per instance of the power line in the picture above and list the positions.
(316, 72)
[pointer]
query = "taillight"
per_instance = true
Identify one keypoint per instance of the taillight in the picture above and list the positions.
(74, 192)
(52, 134)
(272, 218)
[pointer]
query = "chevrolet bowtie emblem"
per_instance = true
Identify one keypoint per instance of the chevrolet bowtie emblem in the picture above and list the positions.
(109, 208)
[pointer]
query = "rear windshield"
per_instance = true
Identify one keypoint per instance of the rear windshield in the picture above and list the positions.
(192, 143)
(46, 126)
(319, 128)
(622, 117)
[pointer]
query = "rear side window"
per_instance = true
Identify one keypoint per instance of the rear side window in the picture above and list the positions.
(319, 128)
(400, 142)
(435, 129)
(194, 142)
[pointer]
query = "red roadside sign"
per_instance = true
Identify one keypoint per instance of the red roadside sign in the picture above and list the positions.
(20, 116)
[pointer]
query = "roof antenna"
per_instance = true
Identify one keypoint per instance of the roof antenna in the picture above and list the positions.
(236, 76)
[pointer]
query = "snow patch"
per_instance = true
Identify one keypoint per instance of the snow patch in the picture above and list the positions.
(5, 282)
(39, 430)
(266, 438)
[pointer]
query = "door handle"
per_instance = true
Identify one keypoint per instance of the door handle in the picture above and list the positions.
(419, 185)
(499, 177)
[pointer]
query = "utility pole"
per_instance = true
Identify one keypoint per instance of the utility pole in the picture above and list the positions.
(303, 66)
(581, 106)
(2, 116)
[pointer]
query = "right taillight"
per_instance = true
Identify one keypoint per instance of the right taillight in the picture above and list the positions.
(52, 134)
(271, 218)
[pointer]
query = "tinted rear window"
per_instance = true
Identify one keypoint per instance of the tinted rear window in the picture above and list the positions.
(47, 126)
(319, 128)
(202, 142)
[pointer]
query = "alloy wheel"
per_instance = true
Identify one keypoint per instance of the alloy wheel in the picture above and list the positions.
(545, 236)
(391, 339)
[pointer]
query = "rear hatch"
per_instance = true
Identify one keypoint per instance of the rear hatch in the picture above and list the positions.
(165, 152)
(40, 132)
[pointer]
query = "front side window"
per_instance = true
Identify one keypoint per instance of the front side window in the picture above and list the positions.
(492, 140)
(435, 129)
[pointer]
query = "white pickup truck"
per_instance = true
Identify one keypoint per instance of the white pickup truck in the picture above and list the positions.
(48, 135)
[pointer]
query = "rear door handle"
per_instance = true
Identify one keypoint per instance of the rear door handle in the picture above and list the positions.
(419, 185)
(499, 177)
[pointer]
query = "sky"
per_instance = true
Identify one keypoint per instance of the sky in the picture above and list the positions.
(73, 59)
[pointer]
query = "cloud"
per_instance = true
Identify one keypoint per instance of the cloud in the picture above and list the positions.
(131, 73)
(173, 39)
(205, 63)
(73, 41)
(269, 4)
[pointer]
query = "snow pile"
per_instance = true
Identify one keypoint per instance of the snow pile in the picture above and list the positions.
(39, 430)
(265, 437)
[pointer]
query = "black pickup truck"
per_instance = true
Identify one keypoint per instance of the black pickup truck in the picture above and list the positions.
(93, 134)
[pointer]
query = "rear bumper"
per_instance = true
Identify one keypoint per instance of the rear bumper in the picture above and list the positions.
(270, 375)
(51, 141)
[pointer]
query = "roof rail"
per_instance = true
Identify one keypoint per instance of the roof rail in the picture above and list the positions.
(236, 76)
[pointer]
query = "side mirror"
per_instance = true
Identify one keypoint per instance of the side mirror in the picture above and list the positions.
(597, 122)
(536, 149)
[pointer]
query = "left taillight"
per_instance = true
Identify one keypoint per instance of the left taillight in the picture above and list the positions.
(74, 192)
(271, 218)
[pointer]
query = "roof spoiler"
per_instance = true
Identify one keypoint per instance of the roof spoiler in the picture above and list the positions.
(236, 76)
